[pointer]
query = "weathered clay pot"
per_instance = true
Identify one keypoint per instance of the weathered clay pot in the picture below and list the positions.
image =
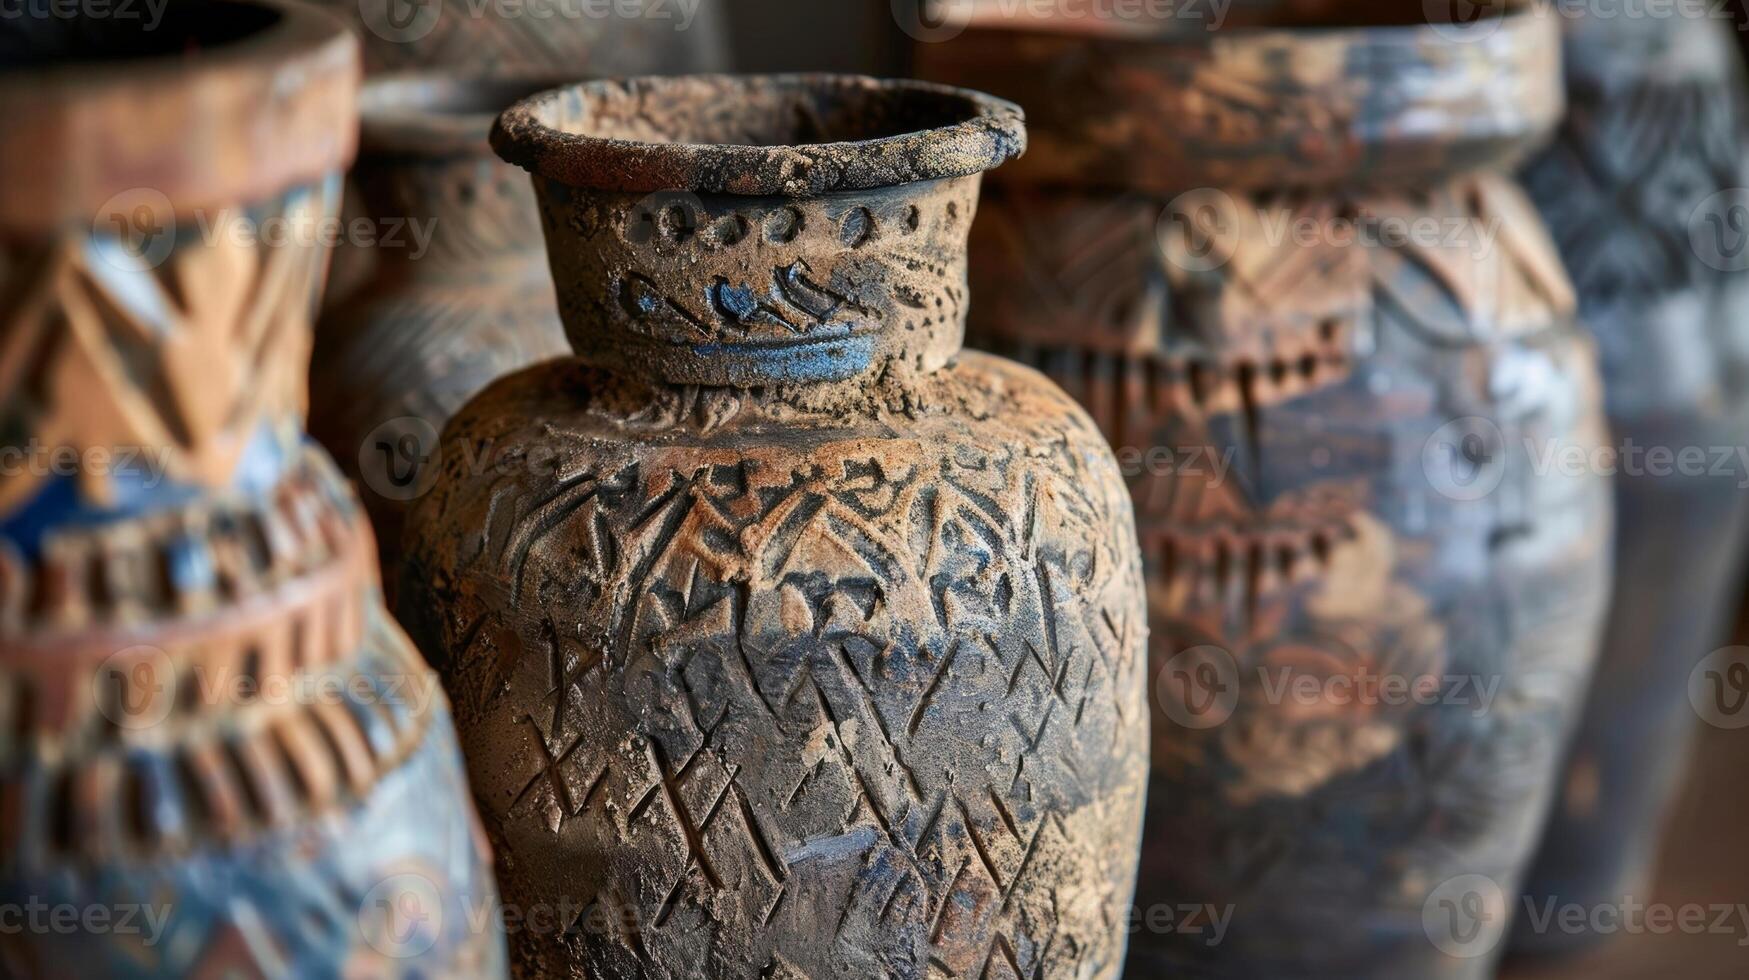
(1330, 339)
(602, 37)
(459, 293)
(1637, 191)
(220, 757)
(787, 641)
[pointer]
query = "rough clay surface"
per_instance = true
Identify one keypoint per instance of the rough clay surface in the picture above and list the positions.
(819, 683)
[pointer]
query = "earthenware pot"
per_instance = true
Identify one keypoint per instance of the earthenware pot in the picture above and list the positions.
(458, 293)
(217, 742)
(1287, 273)
(597, 37)
(1642, 191)
(787, 640)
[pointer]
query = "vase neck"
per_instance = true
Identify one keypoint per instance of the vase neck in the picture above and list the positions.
(724, 290)
(750, 231)
(448, 218)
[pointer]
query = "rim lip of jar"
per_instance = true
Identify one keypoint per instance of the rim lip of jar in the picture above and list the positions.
(241, 120)
(1447, 106)
(983, 133)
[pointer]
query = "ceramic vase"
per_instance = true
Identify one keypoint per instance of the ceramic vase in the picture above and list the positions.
(1643, 191)
(1285, 267)
(220, 757)
(595, 37)
(787, 640)
(457, 291)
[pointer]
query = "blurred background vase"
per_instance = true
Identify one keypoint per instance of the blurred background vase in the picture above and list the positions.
(457, 290)
(214, 736)
(1643, 190)
(586, 37)
(788, 640)
(1285, 267)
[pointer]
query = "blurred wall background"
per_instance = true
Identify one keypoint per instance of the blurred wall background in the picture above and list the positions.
(816, 35)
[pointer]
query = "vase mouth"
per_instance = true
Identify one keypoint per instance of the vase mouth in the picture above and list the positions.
(757, 135)
(1304, 95)
(1189, 25)
(240, 100)
(442, 113)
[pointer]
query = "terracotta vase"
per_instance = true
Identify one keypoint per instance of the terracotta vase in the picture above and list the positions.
(221, 758)
(457, 295)
(786, 639)
(600, 37)
(1286, 271)
(1639, 190)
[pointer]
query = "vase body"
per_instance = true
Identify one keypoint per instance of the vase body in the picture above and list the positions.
(1638, 189)
(1373, 608)
(495, 37)
(785, 641)
(215, 733)
(458, 291)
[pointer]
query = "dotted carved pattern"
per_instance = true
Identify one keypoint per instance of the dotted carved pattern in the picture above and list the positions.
(1299, 531)
(685, 271)
(861, 699)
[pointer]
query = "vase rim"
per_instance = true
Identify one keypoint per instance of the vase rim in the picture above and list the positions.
(1264, 108)
(794, 135)
(229, 101)
(439, 112)
(1337, 20)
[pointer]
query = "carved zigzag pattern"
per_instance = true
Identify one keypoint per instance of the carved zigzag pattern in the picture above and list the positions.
(931, 779)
